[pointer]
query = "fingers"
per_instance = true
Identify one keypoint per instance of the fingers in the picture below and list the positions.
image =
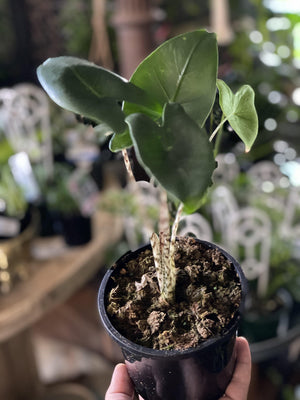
(120, 387)
(239, 385)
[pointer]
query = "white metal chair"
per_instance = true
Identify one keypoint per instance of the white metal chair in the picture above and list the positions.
(265, 171)
(223, 208)
(196, 225)
(227, 169)
(266, 178)
(249, 240)
(7, 96)
(290, 227)
(25, 120)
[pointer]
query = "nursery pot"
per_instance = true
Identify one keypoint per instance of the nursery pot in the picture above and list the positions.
(261, 324)
(76, 229)
(13, 226)
(197, 373)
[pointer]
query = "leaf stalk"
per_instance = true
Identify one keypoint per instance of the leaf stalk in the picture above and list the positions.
(223, 120)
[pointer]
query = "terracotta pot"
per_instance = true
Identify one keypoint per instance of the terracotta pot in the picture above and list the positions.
(198, 373)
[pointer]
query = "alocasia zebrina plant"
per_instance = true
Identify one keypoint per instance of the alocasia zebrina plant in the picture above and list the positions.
(165, 106)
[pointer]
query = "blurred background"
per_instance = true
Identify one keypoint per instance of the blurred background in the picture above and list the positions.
(67, 210)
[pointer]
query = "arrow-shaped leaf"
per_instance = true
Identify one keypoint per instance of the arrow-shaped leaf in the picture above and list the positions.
(178, 153)
(84, 88)
(181, 70)
(239, 110)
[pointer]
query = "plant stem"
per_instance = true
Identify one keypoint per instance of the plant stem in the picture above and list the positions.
(155, 244)
(127, 165)
(223, 120)
(218, 141)
(172, 267)
(175, 224)
(164, 217)
(138, 194)
(164, 258)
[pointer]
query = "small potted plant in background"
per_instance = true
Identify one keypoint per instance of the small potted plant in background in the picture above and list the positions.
(17, 228)
(67, 218)
(13, 205)
(173, 306)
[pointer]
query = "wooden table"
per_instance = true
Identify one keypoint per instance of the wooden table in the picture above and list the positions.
(50, 283)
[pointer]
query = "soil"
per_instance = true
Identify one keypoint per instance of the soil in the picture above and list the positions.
(208, 294)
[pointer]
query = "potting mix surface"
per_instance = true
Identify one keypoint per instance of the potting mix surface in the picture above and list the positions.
(208, 294)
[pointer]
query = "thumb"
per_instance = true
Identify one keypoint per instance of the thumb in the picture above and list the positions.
(120, 387)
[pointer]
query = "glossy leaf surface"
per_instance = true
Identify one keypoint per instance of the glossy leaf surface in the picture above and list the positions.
(121, 141)
(178, 154)
(182, 70)
(86, 89)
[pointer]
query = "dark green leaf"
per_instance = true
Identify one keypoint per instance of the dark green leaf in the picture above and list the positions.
(102, 132)
(239, 110)
(120, 141)
(103, 129)
(181, 70)
(86, 89)
(178, 154)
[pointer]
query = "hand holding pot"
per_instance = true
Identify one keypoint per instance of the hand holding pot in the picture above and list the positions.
(121, 387)
(239, 384)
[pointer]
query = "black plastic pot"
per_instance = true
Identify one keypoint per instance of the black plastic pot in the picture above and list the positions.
(76, 229)
(50, 223)
(259, 325)
(200, 373)
(22, 223)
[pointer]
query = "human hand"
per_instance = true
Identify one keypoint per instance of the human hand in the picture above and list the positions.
(121, 387)
(239, 385)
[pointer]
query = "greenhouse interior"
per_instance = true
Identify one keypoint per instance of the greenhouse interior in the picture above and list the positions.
(83, 184)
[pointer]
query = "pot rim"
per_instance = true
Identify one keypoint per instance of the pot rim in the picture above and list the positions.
(156, 353)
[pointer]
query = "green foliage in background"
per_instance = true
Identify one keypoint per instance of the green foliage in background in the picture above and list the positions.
(75, 22)
(11, 194)
(55, 191)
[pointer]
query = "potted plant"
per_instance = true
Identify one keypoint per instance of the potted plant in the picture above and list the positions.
(64, 212)
(17, 228)
(14, 209)
(167, 116)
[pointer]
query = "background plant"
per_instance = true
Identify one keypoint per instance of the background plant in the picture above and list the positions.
(11, 194)
(55, 191)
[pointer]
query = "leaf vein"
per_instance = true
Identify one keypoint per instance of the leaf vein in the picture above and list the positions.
(85, 83)
(161, 84)
(183, 71)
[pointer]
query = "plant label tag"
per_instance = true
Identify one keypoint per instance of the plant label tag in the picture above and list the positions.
(22, 172)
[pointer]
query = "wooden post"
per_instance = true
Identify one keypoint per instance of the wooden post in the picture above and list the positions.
(132, 20)
(100, 52)
(220, 21)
